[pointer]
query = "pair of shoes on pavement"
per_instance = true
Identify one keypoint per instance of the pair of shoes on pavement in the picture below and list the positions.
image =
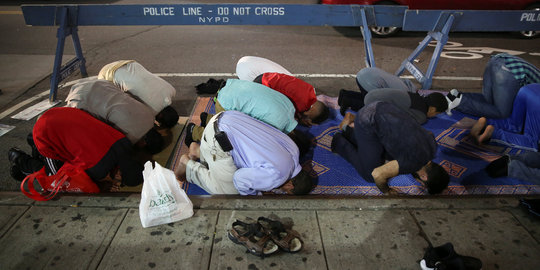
(453, 98)
(265, 237)
(445, 257)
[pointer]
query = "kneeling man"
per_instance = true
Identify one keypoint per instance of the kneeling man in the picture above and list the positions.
(239, 154)
(383, 132)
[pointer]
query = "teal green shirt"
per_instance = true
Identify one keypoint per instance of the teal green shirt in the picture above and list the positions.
(259, 102)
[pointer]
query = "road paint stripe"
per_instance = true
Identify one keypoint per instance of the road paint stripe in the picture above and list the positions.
(45, 93)
(196, 74)
(8, 12)
(38, 96)
(23, 103)
(447, 78)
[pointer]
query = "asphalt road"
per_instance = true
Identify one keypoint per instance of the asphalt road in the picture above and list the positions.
(327, 57)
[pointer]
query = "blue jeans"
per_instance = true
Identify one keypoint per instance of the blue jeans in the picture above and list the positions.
(498, 93)
(374, 78)
(526, 167)
(522, 128)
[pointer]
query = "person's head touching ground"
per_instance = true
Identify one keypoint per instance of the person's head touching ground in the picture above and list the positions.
(318, 112)
(434, 177)
(301, 184)
(436, 104)
(152, 142)
(167, 118)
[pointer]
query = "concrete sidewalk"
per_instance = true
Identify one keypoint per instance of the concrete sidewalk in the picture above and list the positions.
(105, 232)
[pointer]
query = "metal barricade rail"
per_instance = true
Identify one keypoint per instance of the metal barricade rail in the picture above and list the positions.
(438, 24)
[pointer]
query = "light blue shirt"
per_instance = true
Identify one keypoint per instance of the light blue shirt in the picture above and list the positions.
(260, 102)
(265, 157)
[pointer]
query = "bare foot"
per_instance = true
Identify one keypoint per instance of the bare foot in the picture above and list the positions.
(392, 191)
(180, 171)
(348, 119)
(116, 186)
(484, 137)
(184, 159)
(477, 128)
(194, 151)
(109, 185)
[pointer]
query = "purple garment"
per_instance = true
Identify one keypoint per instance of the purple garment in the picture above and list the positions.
(265, 157)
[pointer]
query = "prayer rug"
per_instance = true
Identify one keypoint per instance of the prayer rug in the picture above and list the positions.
(464, 160)
(164, 158)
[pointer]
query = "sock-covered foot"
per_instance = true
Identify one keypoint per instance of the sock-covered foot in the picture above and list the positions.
(189, 132)
(204, 118)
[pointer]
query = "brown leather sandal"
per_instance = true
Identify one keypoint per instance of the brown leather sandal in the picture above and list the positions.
(287, 239)
(252, 236)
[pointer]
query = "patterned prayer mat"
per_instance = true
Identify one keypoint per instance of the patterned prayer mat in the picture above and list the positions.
(464, 160)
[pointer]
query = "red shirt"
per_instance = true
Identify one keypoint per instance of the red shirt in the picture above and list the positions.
(302, 94)
(73, 136)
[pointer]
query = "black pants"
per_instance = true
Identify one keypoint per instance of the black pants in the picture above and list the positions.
(360, 149)
(353, 100)
(29, 164)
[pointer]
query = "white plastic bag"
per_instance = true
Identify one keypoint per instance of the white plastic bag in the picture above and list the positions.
(162, 199)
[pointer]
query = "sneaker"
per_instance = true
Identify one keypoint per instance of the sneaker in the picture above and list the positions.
(14, 154)
(16, 173)
(445, 257)
(498, 167)
(454, 93)
(189, 132)
(454, 99)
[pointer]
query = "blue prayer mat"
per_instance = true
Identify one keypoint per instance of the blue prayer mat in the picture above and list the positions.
(457, 153)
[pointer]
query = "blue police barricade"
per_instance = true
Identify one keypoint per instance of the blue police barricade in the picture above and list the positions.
(437, 23)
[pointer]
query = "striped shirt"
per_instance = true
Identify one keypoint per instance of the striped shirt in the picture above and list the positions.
(523, 71)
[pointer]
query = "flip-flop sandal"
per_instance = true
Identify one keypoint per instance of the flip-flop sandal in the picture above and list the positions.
(287, 239)
(252, 236)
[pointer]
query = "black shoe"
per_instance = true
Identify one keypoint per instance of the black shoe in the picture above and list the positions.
(333, 144)
(445, 257)
(203, 116)
(14, 154)
(350, 99)
(30, 139)
(531, 205)
(16, 173)
(212, 86)
(189, 132)
(498, 167)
